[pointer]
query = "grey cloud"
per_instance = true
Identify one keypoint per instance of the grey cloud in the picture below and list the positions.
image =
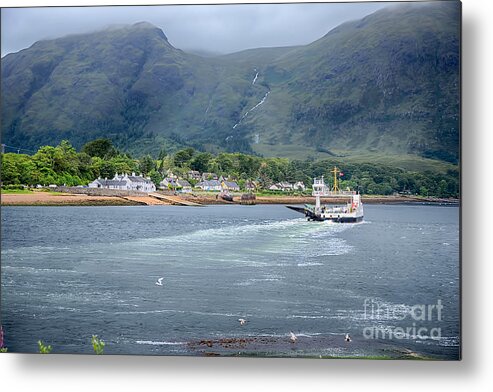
(220, 29)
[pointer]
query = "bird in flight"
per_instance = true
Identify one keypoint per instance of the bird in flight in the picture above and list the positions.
(347, 338)
(242, 321)
(160, 282)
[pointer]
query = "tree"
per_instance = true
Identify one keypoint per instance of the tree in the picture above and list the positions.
(162, 154)
(201, 162)
(10, 173)
(247, 165)
(225, 163)
(45, 157)
(183, 157)
(423, 191)
(65, 158)
(108, 170)
(156, 178)
(442, 189)
(147, 164)
(85, 171)
(123, 163)
(102, 148)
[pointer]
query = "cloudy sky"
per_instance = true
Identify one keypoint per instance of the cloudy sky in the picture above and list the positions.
(217, 29)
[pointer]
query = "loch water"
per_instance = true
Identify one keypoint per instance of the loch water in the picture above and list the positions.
(391, 282)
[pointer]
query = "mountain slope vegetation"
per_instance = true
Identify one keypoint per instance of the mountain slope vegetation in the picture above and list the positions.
(384, 86)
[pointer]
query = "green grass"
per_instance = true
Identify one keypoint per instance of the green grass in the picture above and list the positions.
(15, 191)
(404, 161)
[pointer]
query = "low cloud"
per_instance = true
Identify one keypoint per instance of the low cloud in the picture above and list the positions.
(210, 28)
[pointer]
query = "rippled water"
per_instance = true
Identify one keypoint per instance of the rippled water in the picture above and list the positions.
(71, 272)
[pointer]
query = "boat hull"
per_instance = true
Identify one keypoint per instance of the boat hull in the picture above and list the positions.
(342, 219)
(320, 218)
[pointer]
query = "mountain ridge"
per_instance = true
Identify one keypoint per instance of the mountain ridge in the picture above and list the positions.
(385, 84)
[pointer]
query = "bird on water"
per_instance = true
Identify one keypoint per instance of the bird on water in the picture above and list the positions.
(293, 337)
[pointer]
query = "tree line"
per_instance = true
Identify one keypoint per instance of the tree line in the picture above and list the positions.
(63, 165)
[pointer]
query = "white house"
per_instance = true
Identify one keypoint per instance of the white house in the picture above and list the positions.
(178, 184)
(230, 186)
(282, 186)
(285, 186)
(138, 183)
(167, 183)
(184, 186)
(194, 175)
(299, 186)
(212, 185)
(108, 184)
(125, 182)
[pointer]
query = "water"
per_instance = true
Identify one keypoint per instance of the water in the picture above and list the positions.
(71, 272)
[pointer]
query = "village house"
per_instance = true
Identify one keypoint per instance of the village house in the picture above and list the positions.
(212, 185)
(230, 186)
(170, 174)
(108, 184)
(285, 186)
(168, 183)
(184, 186)
(125, 182)
(209, 176)
(282, 186)
(179, 185)
(299, 186)
(194, 175)
(251, 186)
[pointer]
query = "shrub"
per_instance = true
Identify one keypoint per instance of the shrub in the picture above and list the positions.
(97, 345)
(44, 349)
(14, 187)
(2, 348)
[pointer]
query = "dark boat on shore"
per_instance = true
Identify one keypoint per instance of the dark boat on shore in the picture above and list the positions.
(226, 196)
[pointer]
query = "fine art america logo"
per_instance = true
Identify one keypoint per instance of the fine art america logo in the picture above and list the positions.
(419, 317)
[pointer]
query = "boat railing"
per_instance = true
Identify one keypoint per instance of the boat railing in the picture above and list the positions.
(326, 193)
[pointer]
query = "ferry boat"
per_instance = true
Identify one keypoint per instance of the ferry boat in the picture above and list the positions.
(351, 212)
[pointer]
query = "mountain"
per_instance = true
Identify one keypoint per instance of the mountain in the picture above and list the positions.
(387, 85)
(116, 83)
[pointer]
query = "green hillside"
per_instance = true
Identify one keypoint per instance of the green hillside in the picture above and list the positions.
(383, 88)
(388, 83)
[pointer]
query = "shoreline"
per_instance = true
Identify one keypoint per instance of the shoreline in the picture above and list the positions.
(320, 347)
(69, 199)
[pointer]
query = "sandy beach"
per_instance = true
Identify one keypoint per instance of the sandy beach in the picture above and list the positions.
(62, 199)
(67, 199)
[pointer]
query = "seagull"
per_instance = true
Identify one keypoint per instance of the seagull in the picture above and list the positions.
(293, 337)
(242, 321)
(160, 282)
(347, 338)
